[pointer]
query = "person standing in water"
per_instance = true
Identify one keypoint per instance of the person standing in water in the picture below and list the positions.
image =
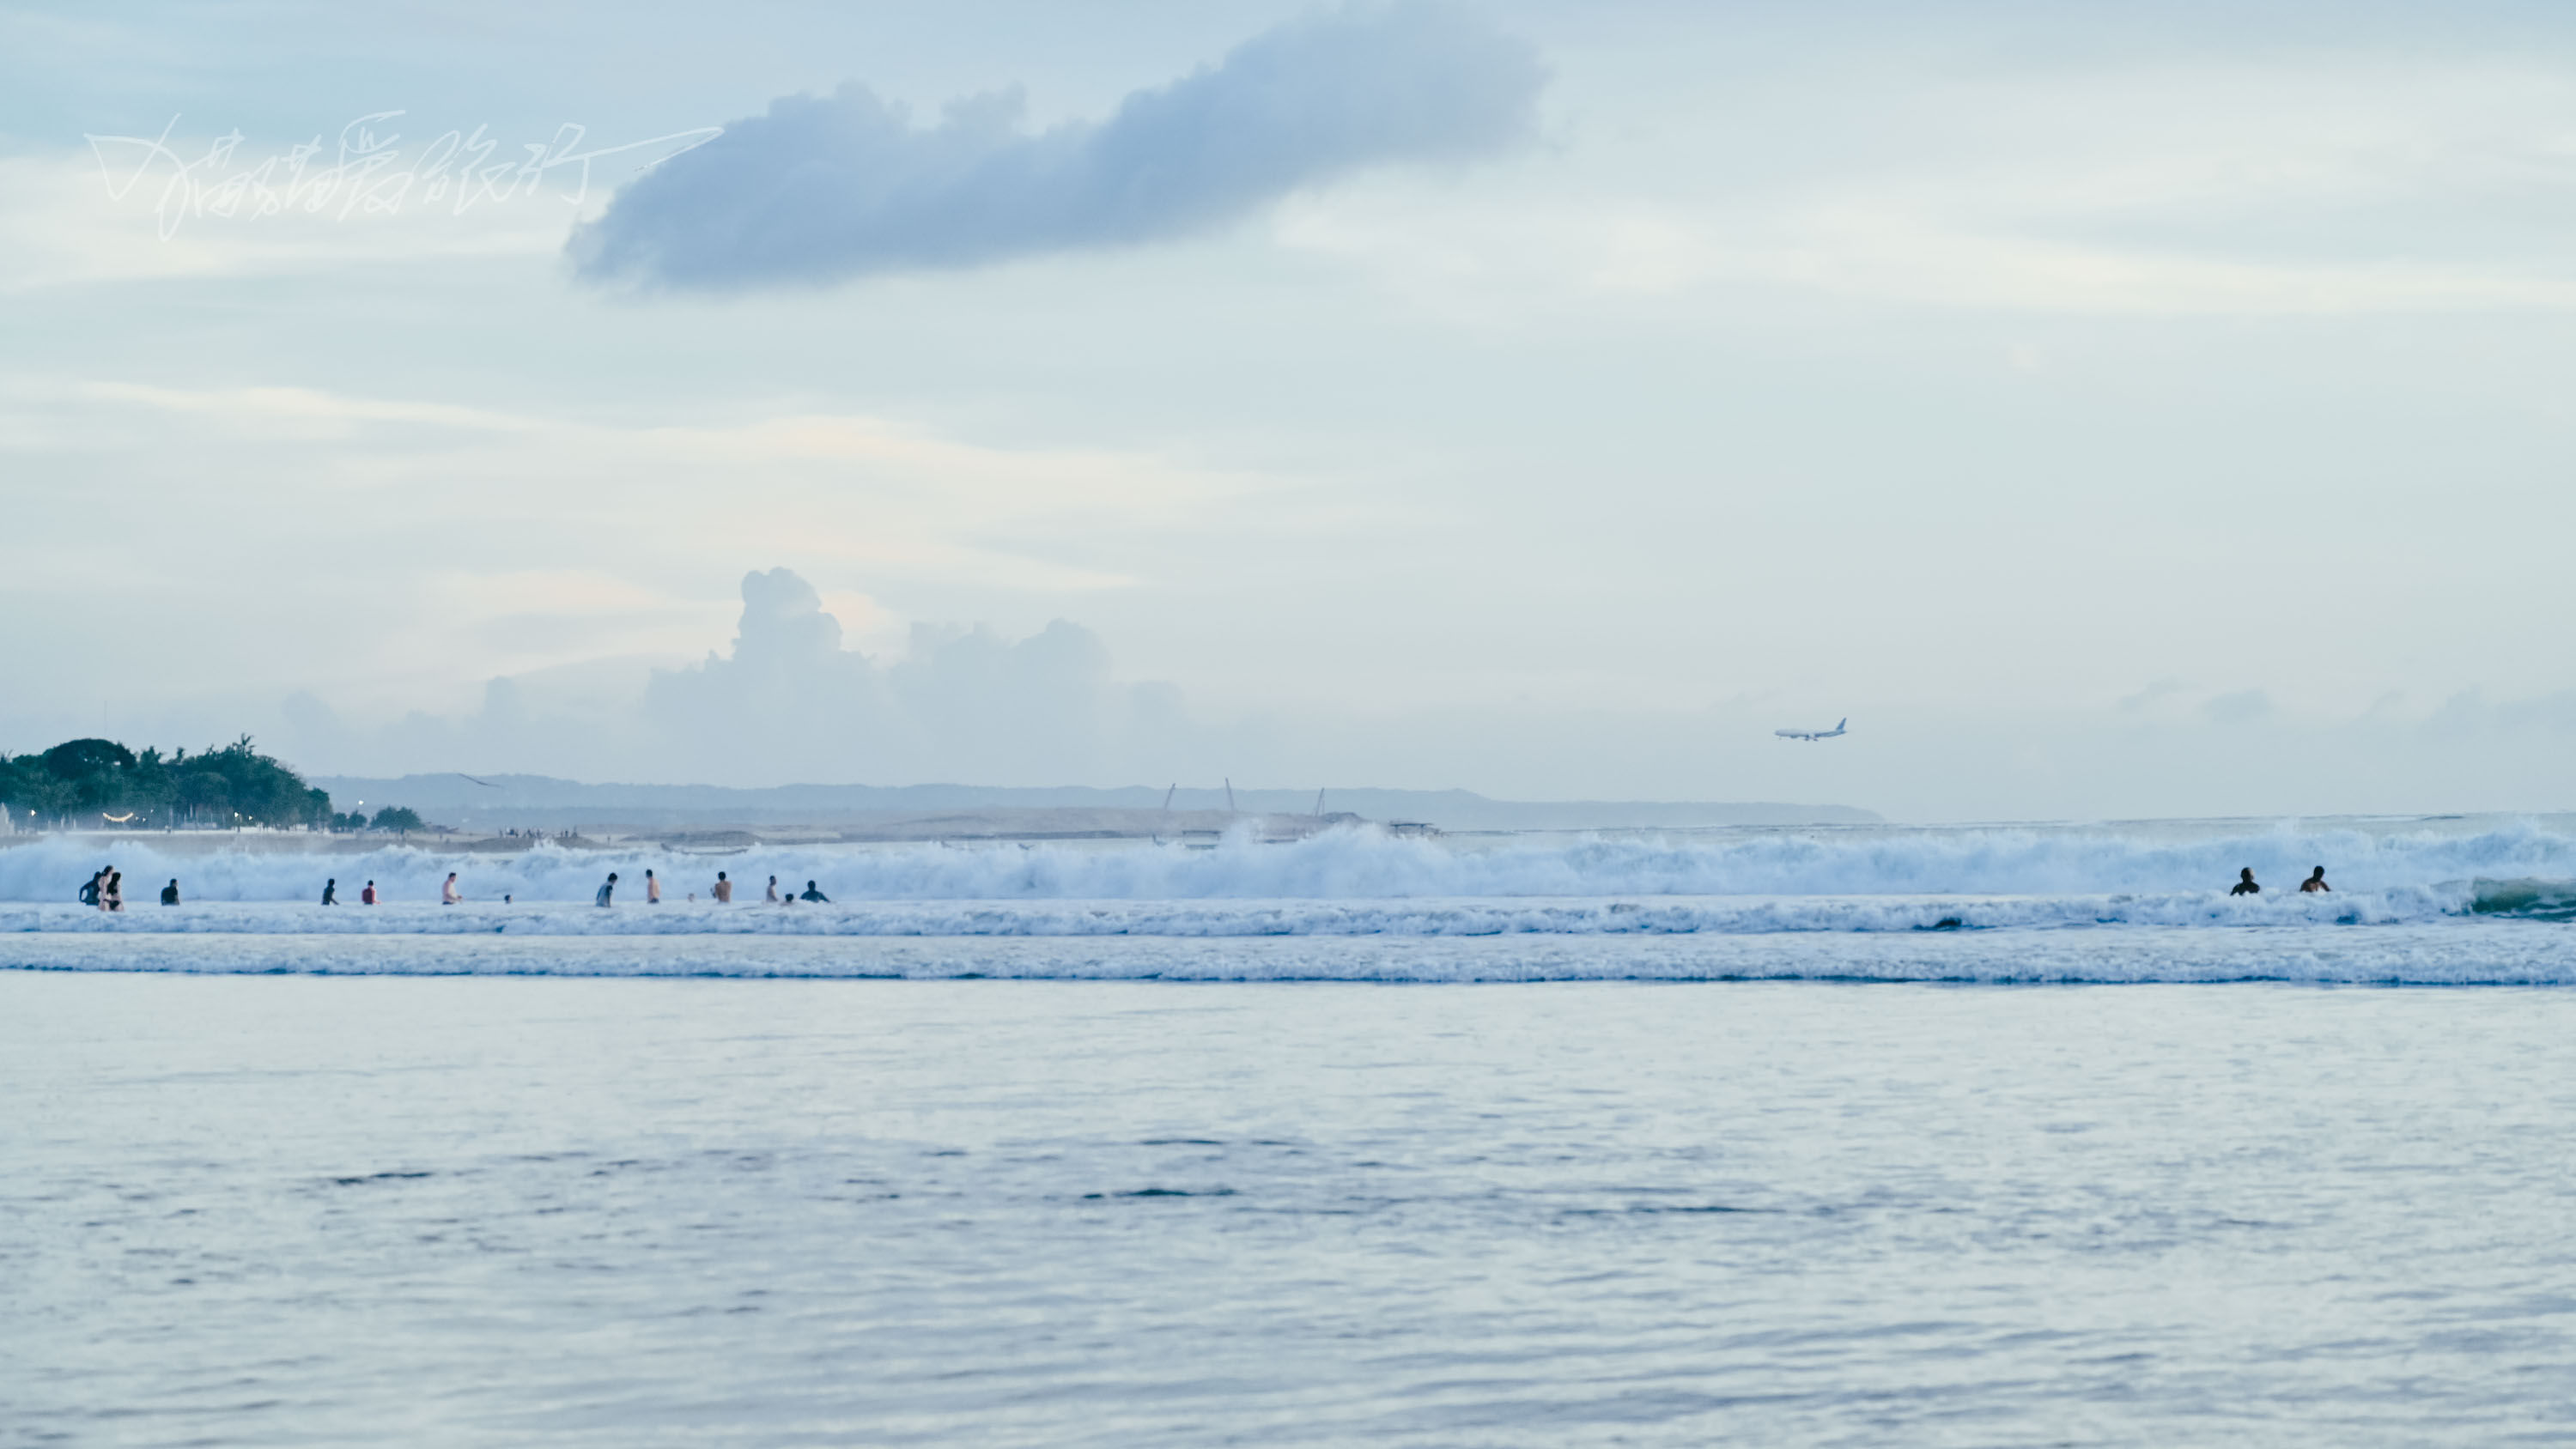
(448, 895)
(331, 891)
(2315, 882)
(111, 897)
(811, 894)
(652, 888)
(89, 893)
(724, 890)
(607, 889)
(367, 897)
(170, 892)
(773, 890)
(2245, 885)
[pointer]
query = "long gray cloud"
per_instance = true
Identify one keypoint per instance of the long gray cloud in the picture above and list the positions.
(823, 189)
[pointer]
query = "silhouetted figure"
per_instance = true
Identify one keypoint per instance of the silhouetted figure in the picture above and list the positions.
(2245, 885)
(111, 896)
(89, 892)
(811, 894)
(2315, 882)
(607, 889)
(331, 892)
(170, 892)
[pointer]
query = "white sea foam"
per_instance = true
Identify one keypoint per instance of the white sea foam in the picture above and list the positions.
(2038, 904)
(2452, 952)
(1432, 916)
(1367, 865)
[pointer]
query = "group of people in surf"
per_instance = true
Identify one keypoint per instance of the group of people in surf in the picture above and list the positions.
(106, 890)
(449, 894)
(722, 892)
(2245, 885)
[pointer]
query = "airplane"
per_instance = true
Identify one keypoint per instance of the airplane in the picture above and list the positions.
(1837, 730)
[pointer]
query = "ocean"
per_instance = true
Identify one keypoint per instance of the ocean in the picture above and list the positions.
(2461, 901)
(1999, 1136)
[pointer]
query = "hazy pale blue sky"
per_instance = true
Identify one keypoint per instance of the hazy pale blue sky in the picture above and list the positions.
(2112, 413)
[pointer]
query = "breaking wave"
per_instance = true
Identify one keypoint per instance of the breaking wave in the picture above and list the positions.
(2466, 904)
(1368, 865)
(2456, 952)
(1431, 916)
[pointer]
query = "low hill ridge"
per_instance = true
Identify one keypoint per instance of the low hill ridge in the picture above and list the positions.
(543, 802)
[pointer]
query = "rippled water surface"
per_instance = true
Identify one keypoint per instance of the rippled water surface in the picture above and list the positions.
(333, 1210)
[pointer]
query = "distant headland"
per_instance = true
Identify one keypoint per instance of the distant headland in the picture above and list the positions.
(100, 784)
(902, 812)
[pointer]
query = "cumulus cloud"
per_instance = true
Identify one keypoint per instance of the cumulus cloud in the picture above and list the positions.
(786, 701)
(822, 189)
(789, 702)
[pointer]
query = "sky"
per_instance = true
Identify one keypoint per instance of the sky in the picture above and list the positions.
(2112, 411)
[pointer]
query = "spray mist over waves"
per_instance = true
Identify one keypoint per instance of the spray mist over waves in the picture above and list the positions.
(2097, 874)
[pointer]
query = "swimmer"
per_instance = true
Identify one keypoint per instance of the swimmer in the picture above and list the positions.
(447, 893)
(2316, 882)
(607, 889)
(812, 894)
(2245, 885)
(724, 890)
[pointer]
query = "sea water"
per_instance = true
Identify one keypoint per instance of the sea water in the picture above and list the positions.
(1530, 1140)
(275, 1210)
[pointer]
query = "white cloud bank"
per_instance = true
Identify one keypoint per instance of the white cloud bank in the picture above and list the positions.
(786, 702)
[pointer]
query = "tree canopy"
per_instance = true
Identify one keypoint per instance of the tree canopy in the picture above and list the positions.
(90, 781)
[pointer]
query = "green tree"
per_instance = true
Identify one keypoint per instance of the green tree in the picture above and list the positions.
(92, 774)
(398, 817)
(79, 780)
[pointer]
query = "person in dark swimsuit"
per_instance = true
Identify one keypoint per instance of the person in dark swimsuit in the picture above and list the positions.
(331, 892)
(2245, 885)
(170, 892)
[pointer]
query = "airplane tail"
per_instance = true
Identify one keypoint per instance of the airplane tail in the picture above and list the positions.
(1838, 724)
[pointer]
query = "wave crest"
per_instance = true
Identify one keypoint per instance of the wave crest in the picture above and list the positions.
(1361, 865)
